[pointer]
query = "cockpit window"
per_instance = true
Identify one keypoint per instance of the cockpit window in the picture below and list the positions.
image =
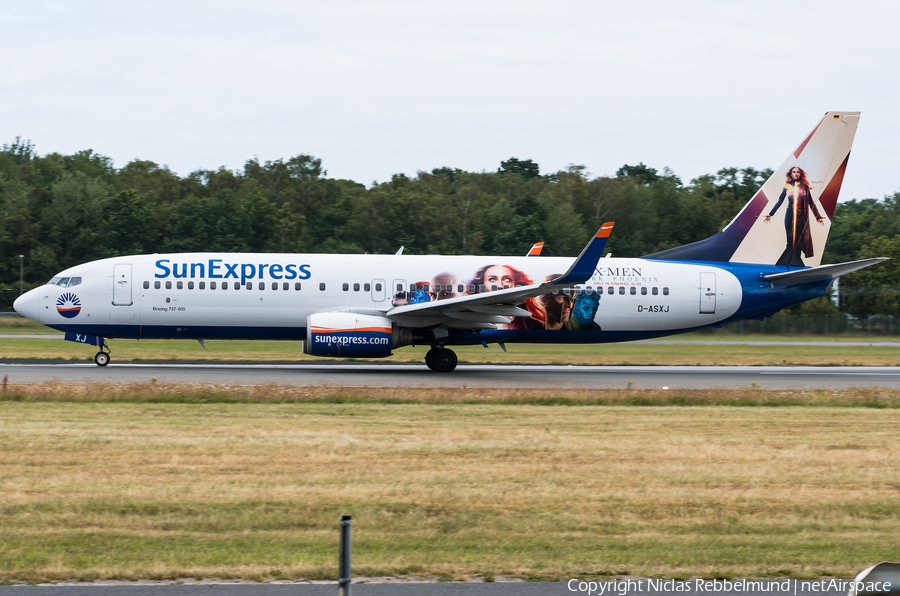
(65, 282)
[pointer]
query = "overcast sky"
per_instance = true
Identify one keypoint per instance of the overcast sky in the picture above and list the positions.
(376, 88)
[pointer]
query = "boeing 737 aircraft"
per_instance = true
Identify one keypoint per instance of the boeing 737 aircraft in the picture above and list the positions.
(365, 306)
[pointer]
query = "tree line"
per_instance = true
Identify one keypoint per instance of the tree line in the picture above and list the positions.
(61, 210)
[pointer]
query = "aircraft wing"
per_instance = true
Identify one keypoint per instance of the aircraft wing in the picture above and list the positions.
(487, 309)
(805, 276)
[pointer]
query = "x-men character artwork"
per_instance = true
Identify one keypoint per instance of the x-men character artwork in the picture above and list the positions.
(569, 309)
(796, 217)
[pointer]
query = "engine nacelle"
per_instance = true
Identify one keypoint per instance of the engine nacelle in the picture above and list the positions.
(352, 335)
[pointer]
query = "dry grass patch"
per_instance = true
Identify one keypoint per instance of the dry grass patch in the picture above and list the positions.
(204, 393)
(94, 490)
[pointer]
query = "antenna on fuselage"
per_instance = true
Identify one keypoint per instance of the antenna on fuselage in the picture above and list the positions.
(399, 252)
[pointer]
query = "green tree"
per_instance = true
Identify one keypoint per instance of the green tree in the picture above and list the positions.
(874, 290)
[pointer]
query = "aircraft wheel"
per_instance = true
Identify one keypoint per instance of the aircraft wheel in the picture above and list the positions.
(429, 358)
(445, 360)
(102, 358)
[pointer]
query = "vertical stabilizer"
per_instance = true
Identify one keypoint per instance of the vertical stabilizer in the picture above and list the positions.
(787, 221)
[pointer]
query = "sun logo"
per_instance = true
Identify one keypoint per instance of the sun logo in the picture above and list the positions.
(68, 305)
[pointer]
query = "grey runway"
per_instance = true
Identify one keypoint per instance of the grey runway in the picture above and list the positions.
(467, 375)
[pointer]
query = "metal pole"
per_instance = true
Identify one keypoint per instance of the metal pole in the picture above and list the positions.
(344, 564)
(21, 274)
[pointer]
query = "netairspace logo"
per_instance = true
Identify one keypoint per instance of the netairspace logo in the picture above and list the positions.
(68, 305)
(717, 586)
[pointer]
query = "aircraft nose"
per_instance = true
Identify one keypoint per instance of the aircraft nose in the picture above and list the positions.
(29, 305)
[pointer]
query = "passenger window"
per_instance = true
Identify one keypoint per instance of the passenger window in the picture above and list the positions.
(589, 290)
(655, 290)
(622, 290)
(156, 285)
(224, 285)
(322, 287)
(212, 285)
(643, 291)
(179, 285)
(75, 281)
(633, 290)
(262, 285)
(202, 285)
(367, 287)
(168, 285)
(285, 286)
(345, 287)
(437, 287)
(493, 287)
(610, 290)
(482, 289)
(355, 287)
(665, 291)
(249, 286)
(377, 287)
(471, 288)
(146, 285)
(274, 285)
(460, 289)
(412, 288)
(566, 291)
(399, 287)
(190, 285)
(297, 286)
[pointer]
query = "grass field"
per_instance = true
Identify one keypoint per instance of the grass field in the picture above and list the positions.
(254, 488)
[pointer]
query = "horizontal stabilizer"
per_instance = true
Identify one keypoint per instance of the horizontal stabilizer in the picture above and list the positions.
(805, 276)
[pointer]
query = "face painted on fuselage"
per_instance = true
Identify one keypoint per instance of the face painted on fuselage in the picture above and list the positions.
(499, 275)
(586, 306)
(447, 283)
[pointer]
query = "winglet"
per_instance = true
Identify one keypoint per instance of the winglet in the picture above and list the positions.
(586, 263)
(536, 250)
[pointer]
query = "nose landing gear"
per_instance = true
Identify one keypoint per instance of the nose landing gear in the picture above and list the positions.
(101, 358)
(441, 359)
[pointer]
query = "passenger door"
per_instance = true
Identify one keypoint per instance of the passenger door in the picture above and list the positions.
(122, 285)
(707, 293)
(399, 295)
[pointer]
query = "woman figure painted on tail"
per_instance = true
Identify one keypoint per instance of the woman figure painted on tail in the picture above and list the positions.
(796, 217)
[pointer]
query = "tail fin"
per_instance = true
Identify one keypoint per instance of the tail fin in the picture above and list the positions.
(769, 229)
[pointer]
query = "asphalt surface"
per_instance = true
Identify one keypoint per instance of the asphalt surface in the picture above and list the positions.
(466, 375)
(422, 589)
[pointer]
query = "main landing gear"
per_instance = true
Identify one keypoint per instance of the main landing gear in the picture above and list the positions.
(102, 357)
(441, 359)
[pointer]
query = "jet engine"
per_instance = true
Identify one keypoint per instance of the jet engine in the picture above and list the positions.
(352, 335)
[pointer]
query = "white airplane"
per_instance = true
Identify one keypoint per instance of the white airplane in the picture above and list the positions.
(365, 306)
